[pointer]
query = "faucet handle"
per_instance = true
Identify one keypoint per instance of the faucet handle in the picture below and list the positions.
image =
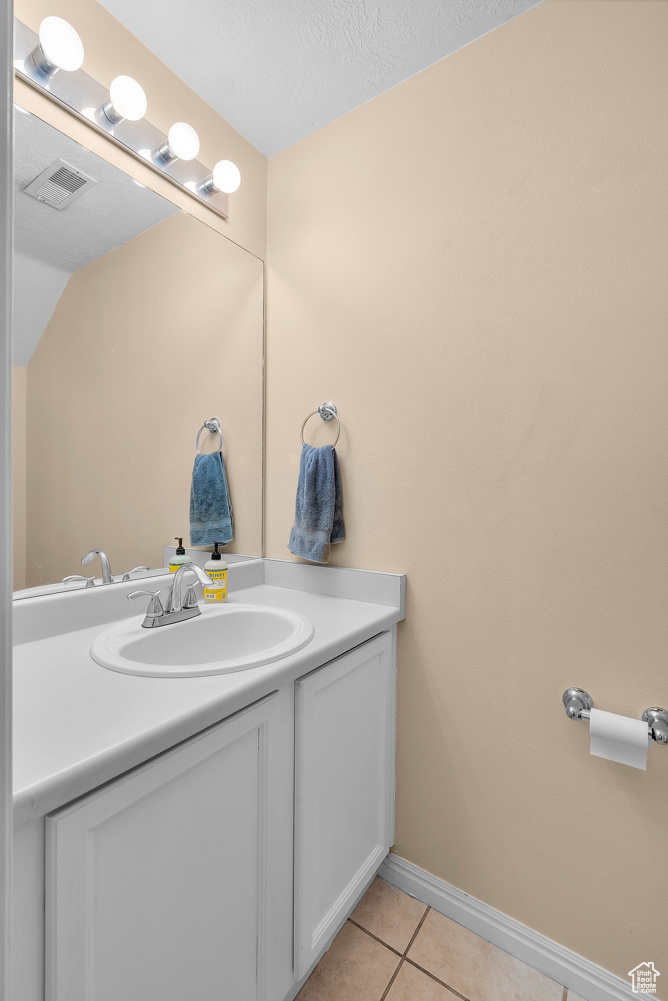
(90, 581)
(126, 575)
(191, 597)
(155, 608)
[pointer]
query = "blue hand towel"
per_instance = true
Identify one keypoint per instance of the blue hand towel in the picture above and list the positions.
(319, 509)
(210, 508)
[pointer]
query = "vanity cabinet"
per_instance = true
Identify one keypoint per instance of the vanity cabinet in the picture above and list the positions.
(173, 878)
(344, 789)
(221, 869)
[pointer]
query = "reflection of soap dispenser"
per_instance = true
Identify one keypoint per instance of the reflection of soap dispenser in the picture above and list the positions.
(216, 568)
(180, 558)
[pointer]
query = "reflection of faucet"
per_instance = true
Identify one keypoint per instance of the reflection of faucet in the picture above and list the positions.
(90, 581)
(181, 599)
(107, 576)
(126, 574)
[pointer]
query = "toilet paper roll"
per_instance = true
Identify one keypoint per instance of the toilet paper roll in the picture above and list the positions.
(619, 738)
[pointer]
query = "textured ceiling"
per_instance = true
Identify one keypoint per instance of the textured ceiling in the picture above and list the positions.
(51, 244)
(113, 211)
(277, 70)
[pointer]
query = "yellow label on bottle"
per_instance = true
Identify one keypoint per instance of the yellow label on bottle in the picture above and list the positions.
(219, 592)
(215, 594)
(218, 575)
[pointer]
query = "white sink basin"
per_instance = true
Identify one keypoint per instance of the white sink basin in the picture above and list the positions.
(219, 641)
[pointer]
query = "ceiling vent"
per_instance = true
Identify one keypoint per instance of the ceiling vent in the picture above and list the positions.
(59, 184)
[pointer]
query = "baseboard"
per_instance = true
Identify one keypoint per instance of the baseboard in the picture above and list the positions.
(580, 975)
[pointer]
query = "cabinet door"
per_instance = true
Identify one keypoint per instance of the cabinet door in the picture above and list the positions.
(163, 886)
(344, 774)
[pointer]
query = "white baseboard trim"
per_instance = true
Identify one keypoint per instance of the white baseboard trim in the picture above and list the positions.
(580, 975)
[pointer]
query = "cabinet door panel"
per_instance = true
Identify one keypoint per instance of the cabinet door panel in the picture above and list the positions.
(157, 884)
(344, 733)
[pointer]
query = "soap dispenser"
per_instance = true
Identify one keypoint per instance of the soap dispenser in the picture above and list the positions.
(216, 568)
(180, 558)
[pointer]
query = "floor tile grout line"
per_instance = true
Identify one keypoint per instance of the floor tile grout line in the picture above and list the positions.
(432, 977)
(376, 939)
(392, 979)
(415, 933)
(383, 942)
(402, 958)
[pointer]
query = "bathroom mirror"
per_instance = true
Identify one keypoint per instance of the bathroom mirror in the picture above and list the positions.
(134, 323)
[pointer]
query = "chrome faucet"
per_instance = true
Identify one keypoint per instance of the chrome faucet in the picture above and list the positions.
(107, 576)
(180, 596)
(181, 599)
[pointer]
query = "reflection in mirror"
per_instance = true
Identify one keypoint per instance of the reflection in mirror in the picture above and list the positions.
(134, 324)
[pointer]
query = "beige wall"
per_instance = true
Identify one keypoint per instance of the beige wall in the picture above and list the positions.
(110, 50)
(145, 344)
(19, 476)
(472, 266)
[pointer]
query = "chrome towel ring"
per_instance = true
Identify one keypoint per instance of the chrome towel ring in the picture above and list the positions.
(328, 412)
(214, 427)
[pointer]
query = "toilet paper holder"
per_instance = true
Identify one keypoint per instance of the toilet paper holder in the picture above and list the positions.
(578, 705)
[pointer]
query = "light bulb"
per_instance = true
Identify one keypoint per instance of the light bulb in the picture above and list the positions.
(126, 100)
(226, 176)
(60, 47)
(182, 143)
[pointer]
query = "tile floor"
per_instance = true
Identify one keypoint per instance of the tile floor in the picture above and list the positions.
(393, 948)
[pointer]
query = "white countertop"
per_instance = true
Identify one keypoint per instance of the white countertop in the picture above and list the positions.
(78, 725)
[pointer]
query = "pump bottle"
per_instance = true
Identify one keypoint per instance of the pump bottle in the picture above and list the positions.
(180, 558)
(216, 568)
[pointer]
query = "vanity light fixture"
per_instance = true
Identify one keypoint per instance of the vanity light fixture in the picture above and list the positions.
(59, 48)
(225, 176)
(126, 100)
(119, 112)
(182, 143)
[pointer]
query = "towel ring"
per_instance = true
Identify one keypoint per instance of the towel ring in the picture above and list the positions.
(214, 427)
(328, 412)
